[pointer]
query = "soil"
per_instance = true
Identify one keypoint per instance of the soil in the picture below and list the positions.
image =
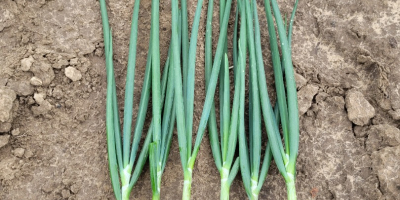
(53, 89)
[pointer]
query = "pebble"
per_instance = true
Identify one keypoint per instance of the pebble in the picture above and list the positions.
(305, 97)
(19, 152)
(395, 114)
(382, 136)
(39, 98)
(73, 61)
(65, 194)
(7, 97)
(73, 74)
(359, 110)
(35, 81)
(26, 63)
(4, 140)
(22, 88)
(60, 63)
(385, 164)
(15, 132)
(300, 80)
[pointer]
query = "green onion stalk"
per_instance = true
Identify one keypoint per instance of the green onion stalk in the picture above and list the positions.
(253, 172)
(120, 156)
(124, 172)
(286, 111)
(223, 151)
(184, 86)
(164, 108)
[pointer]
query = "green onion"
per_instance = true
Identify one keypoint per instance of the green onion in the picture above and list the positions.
(287, 108)
(159, 148)
(184, 110)
(229, 123)
(122, 157)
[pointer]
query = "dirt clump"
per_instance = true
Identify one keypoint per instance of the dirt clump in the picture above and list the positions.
(359, 110)
(7, 97)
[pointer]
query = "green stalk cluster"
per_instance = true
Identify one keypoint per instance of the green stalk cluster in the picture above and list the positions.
(224, 151)
(172, 94)
(122, 155)
(253, 173)
(162, 106)
(286, 111)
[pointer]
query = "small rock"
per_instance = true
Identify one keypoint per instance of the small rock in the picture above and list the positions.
(60, 63)
(22, 88)
(4, 140)
(68, 103)
(75, 188)
(15, 132)
(385, 164)
(3, 81)
(19, 152)
(395, 114)
(26, 63)
(8, 168)
(5, 127)
(48, 187)
(7, 97)
(98, 52)
(39, 98)
(35, 81)
(42, 109)
(305, 97)
(381, 136)
(385, 104)
(360, 131)
(57, 93)
(28, 154)
(359, 110)
(73, 74)
(300, 81)
(65, 194)
(43, 71)
(73, 61)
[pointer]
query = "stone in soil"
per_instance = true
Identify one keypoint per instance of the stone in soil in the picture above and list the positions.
(60, 63)
(305, 97)
(7, 97)
(381, 136)
(300, 80)
(4, 140)
(35, 81)
(73, 74)
(359, 110)
(26, 63)
(39, 98)
(22, 88)
(395, 114)
(385, 164)
(15, 132)
(44, 72)
(19, 152)
(42, 109)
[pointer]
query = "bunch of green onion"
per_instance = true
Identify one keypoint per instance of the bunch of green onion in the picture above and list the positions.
(173, 101)
(121, 154)
(224, 151)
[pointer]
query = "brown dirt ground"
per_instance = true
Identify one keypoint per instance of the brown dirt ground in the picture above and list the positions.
(345, 53)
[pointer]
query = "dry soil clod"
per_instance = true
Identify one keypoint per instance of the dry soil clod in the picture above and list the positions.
(4, 140)
(359, 110)
(305, 97)
(26, 63)
(73, 74)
